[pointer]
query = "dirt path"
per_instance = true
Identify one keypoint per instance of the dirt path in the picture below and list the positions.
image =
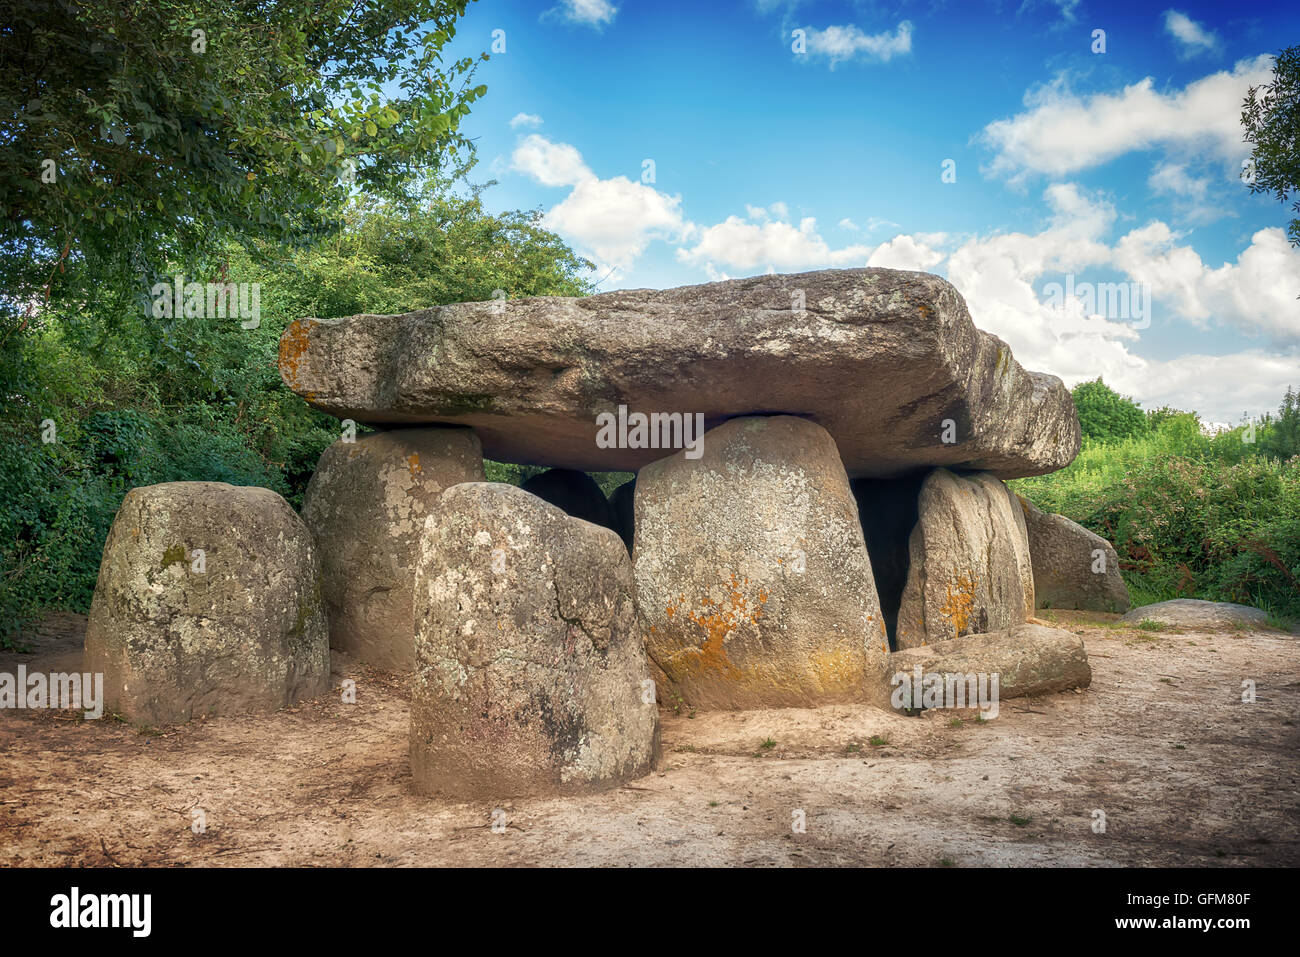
(1185, 773)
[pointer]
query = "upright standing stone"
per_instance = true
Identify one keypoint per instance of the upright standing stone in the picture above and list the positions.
(530, 675)
(752, 574)
(970, 569)
(366, 505)
(208, 602)
(1073, 567)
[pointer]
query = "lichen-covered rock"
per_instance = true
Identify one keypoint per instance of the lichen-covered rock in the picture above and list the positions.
(1197, 613)
(574, 493)
(1073, 567)
(886, 360)
(208, 602)
(752, 574)
(366, 505)
(970, 569)
(530, 674)
(1028, 660)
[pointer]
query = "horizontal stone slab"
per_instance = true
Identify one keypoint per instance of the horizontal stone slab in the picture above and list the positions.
(887, 361)
(1028, 660)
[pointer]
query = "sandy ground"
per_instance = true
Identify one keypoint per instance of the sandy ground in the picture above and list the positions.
(1184, 771)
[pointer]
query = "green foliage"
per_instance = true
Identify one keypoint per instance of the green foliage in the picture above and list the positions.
(1190, 515)
(1280, 437)
(1271, 119)
(136, 400)
(145, 132)
(1105, 415)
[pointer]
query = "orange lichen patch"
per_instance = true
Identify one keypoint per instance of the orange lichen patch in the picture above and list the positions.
(413, 463)
(717, 620)
(293, 345)
(959, 604)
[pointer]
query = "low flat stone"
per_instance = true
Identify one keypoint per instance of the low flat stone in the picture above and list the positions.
(1196, 613)
(887, 361)
(1028, 660)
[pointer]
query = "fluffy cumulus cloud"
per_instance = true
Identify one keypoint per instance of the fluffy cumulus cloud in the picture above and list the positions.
(1256, 294)
(998, 276)
(613, 220)
(551, 164)
(609, 220)
(766, 242)
(525, 119)
(840, 43)
(590, 13)
(1191, 37)
(1061, 133)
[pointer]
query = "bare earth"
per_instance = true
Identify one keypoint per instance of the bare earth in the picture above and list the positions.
(1184, 771)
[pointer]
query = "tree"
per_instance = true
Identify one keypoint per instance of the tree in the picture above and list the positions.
(1280, 437)
(1105, 415)
(139, 133)
(1271, 118)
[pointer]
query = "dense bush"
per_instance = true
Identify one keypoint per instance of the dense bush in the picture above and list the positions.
(1105, 415)
(1190, 515)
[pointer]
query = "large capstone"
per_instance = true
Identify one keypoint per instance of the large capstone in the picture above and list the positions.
(366, 505)
(530, 675)
(752, 574)
(887, 361)
(969, 566)
(1073, 567)
(208, 602)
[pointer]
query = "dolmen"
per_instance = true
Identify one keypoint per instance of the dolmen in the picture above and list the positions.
(817, 505)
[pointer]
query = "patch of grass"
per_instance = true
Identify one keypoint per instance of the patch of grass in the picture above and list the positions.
(852, 748)
(946, 862)
(955, 722)
(1019, 821)
(713, 804)
(767, 744)
(1148, 624)
(878, 741)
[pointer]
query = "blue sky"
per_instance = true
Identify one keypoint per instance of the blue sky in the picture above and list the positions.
(789, 136)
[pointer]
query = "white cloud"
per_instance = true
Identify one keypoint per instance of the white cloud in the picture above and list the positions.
(525, 119)
(613, 220)
(1255, 295)
(609, 220)
(848, 224)
(1061, 133)
(839, 44)
(765, 244)
(551, 164)
(1191, 36)
(905, 252)
(591, 13)
(1172, 179)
